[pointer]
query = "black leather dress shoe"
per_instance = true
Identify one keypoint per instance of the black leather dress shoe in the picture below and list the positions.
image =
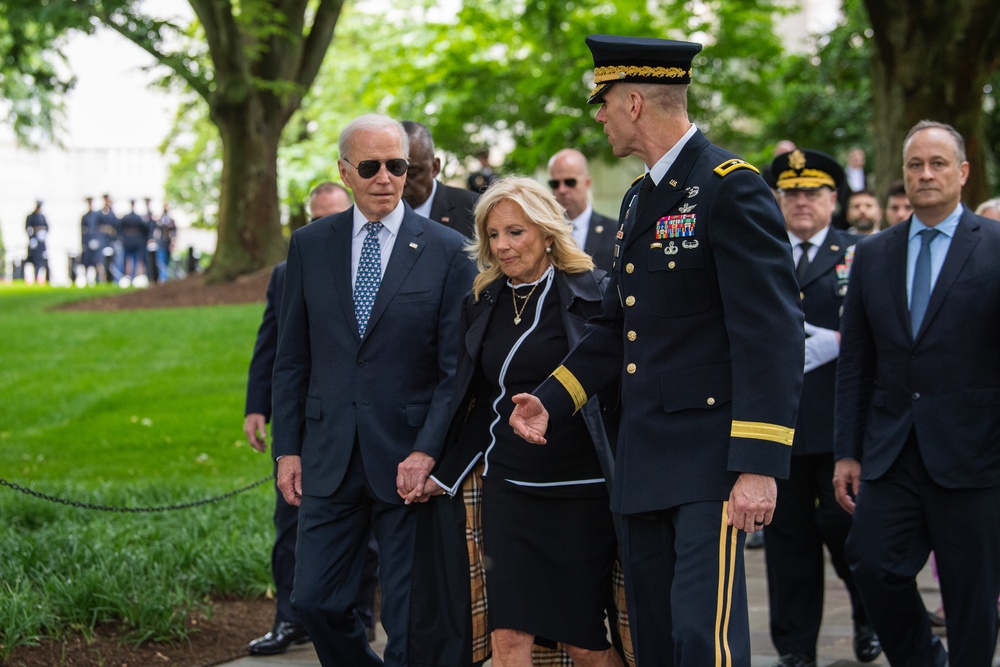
(866, 644)
(281, 636)
(795, 660)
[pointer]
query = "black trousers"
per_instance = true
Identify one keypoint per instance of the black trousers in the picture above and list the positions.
(332, 541)
(899, 519)
(806, 518)
(685, 585)
(286, 526)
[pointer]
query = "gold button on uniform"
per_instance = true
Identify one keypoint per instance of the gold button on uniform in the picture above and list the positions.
(631, 335)
(630, 301)
(671, 265)
(630, 267)
(710, 401)
(630, 368)
(802, 296)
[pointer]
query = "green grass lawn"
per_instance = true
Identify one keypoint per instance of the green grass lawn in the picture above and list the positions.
(130, 408)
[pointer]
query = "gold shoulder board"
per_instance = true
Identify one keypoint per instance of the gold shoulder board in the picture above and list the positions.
(729, 166)
(637, 179)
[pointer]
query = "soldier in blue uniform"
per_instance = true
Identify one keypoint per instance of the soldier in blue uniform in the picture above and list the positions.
(808, 515)
(37, 228)
(702, 324)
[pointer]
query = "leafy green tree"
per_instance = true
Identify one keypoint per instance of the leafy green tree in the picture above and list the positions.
(825, 97)
(932, 60)
(251, 61)
(524, 70)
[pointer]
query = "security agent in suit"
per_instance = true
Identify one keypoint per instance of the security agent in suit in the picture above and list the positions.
(326, 199)
(702, 324)
(808, 515)
(427, 195)
(570, 181)
(918, 412)
(361, 393)
(37, 228)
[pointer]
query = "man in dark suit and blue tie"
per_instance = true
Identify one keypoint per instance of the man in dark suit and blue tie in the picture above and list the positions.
(569, 178)
(362, 381)
(918, 413)
(325, 199)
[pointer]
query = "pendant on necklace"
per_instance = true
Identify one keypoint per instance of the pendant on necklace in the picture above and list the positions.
(517, 320)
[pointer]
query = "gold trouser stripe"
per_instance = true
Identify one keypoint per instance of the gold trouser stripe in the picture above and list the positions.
(571, 385)
(763, 431)
(724, 603)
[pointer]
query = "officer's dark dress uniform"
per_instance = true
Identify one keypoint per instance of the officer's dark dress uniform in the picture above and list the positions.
(808, 515)
(702, 322)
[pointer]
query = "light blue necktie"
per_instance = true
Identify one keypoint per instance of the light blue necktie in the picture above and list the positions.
(920, 293)
(369, 276)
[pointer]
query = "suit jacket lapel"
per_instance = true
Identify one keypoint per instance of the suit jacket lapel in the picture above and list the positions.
(405, 252)
(965, 239)
(895, 270)
(338, 248)
(477, 328)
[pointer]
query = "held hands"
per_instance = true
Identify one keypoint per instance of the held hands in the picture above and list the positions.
(751, 502)
(255, 427)
(530, 419)
(847, 482)
(290, 479)
(411, 476)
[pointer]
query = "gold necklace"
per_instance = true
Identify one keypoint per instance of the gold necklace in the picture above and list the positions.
(516, 296)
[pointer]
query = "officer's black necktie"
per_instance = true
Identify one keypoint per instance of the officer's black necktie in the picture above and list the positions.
(803, 265)
(646, 187)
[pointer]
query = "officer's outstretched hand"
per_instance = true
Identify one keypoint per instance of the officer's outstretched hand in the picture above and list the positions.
(530, 419)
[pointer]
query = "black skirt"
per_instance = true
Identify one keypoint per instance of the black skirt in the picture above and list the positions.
(548, 562)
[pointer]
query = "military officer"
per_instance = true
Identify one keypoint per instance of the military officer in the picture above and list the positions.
(702, 324)
(808, 515)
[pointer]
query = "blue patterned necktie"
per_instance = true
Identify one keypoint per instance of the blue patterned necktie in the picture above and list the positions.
(920, 293)
(369, 276)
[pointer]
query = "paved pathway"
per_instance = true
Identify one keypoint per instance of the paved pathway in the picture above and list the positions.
(834, 643)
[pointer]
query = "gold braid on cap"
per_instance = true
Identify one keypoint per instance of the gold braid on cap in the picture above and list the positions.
(805, 178)
(617, 73)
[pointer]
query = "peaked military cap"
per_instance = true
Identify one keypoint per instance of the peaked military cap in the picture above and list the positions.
(806, 170)
(638, 59)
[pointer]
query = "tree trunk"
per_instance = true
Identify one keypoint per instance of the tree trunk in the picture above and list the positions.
(249, 220)
(931, 61)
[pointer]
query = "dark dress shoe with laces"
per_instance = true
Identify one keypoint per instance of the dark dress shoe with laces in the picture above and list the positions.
(866, 644)
(281, 636)
(795, 660)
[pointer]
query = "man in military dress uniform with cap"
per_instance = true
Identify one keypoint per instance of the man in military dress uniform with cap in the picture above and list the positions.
(702, 325)
(808, 515)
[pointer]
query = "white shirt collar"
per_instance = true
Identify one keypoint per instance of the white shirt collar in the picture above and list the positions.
(392, 222)
(663, 165)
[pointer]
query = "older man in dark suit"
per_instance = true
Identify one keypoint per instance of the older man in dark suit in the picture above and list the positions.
(569, 178)
(918, 412)
(427, 195)
(325, 199)
(362, 381)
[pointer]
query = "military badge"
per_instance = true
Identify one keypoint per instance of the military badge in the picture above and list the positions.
(693, 191)
(675, 226)
(686, 208)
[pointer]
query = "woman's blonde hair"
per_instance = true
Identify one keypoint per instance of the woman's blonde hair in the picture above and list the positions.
(539, 207)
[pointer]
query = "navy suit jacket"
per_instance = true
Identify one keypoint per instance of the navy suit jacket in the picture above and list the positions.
(388, 391)
(944, 383)
(601, 240)
(453, 207)
(262, 362)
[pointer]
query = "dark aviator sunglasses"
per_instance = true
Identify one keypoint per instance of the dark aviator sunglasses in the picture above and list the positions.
(368, 168)
(570, 183)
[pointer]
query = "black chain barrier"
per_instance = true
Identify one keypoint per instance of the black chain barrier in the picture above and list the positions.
(110, 508)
